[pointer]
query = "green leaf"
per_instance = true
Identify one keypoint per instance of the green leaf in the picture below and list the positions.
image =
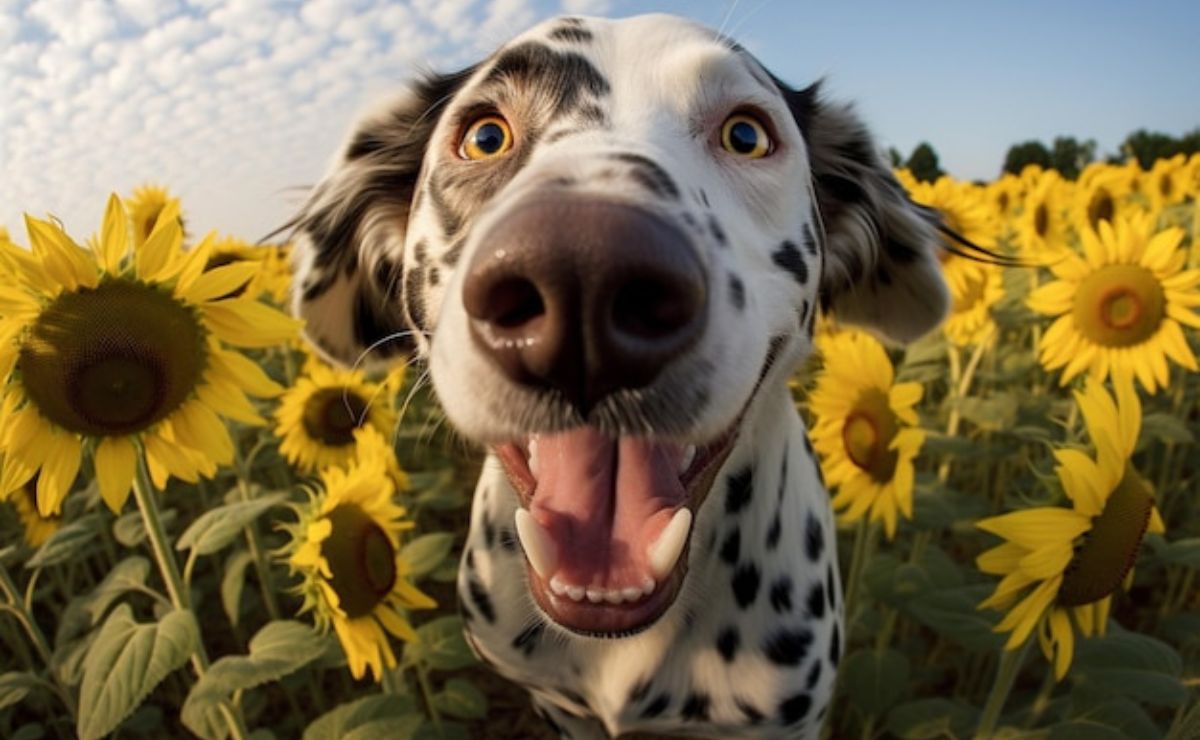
(67, 543)
(232, 583)
(1183, 552)
(442, 645)
(1115, 712)
(278, 649)
(130, 530)
(126, 662)
(993, 414)
(954, 613)
(1167, 428)
(459, 698)
(85, 612)
(926, 719)
(215, 529)
(875, 680)
(15, 685)
(426, 552)
(1133, 665)
(1189, 727)
(337, 723)
(404, 727)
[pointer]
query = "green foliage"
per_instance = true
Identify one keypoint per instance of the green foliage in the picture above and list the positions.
(1020, 156)
(923, 163)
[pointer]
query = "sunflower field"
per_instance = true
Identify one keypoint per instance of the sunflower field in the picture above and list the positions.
(207, 530)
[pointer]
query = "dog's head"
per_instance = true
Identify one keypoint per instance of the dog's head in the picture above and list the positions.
(604, 239)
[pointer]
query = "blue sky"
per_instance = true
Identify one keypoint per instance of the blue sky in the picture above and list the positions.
(234, 104)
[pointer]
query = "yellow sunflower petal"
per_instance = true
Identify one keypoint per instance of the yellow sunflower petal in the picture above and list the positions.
(58, 473)
(244, 322)
(114, 235)
(115, 462)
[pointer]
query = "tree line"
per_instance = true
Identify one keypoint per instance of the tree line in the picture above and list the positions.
(1066, 154)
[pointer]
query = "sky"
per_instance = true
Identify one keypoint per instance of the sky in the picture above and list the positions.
(238, 106)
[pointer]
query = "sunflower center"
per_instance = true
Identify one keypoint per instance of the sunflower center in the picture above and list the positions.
(1101, 207)
(332, 414)
(1119, 305)
(112, 360)
(1105, 557)
(361, 559)
(973, 288)
(867, 433)
(1165, 186)
(1041, 220)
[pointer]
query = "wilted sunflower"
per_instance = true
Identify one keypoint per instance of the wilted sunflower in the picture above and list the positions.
(147, 206)
(965, 211)
(865, 430)
(37, 528)
(970, 319)
(121, 351)
(1061, 566)
(318, 415)
(346, 548)
(1120, 306)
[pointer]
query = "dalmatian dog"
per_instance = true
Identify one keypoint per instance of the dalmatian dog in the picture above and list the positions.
(610, 241)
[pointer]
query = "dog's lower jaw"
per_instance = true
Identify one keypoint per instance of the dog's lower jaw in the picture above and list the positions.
(754, 570)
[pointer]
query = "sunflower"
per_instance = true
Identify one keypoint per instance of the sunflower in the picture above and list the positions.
(121, 352)
(37, 528)
(970, 320)
(1166, 183)
(1101, 194)
(1060, 566)
(1042, 226)
(318, 415)
(1004, 197)
(273, 276)
(965, 211)
(865, 430)
(1120, 306)
(346, 549)
(147, 207)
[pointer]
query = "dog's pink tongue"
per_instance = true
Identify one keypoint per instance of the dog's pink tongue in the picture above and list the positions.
(603, 501)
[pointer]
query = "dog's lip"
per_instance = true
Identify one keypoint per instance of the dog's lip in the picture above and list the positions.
(605, 619)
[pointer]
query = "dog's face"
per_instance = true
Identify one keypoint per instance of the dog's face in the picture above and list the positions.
(605, 239)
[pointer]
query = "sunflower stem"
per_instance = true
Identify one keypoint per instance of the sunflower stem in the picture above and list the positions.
(20, 609)
(1006, 675)
(862, 542)
(144, 493)
(254, 542)
(960, 383)
(427, 693)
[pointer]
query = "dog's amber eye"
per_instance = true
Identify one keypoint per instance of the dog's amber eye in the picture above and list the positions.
(485, 138)
(742, 134)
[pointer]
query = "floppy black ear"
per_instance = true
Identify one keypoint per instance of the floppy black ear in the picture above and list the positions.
(881, 250)
(349, 236)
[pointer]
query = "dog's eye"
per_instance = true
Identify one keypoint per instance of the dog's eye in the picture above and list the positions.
(485, 138)
(744, 135)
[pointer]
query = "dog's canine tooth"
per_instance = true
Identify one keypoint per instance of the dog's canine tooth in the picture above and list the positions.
(689, 456)
(664, 552)
(557, 586)
(539, 548)
(575, 593)
(533, 456)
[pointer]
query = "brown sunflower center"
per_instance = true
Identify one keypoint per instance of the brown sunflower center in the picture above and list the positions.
(867, 433)
(1119, 305)
(1166, 186)
(332, 414)
(112, 360)
(1041, 220)
(1110, 549)
(361, 559)
(974, 285)
(1101, 207)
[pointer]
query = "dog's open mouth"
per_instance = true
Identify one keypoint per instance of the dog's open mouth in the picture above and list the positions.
(605, 522)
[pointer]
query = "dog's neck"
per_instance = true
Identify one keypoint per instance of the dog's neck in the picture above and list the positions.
(759, 569)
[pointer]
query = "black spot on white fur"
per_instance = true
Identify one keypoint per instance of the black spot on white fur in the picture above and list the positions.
(746, 580)
(737, 292)
(788, 647)
(789, 258)
(740, 486)
(728, 641)
(816, 601)
(732, 546)
(814, 538)
(695, 707)
(781, 594)
(794, 708)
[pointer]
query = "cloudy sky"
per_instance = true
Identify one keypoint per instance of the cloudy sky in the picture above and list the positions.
(236, 106)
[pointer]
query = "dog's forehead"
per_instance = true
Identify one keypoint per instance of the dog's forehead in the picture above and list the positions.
(654, 55)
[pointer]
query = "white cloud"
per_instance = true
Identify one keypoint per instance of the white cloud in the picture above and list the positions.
(586, 7)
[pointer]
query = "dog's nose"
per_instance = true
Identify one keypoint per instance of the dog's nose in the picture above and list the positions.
(586, 297)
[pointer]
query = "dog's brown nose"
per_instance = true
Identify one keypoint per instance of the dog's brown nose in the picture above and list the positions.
(585, 297)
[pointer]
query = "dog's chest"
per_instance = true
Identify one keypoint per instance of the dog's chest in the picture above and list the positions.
(751, 644)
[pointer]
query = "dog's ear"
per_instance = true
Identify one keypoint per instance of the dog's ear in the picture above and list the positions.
(349, 236)
(881, 267)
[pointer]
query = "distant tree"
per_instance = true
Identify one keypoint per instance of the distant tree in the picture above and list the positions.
(895, 157)
(1024, 154)
(1149, 146)
(923, 163)
(1189, 143)
(1069, 156)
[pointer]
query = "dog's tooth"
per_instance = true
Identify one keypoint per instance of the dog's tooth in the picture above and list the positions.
(664, 552)
(557, 586)
(539, 548)
(533, 455)
(595, 595)
(632, 593)
(575, 593)
(648, 585)
(689, 456)
(614, 596)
